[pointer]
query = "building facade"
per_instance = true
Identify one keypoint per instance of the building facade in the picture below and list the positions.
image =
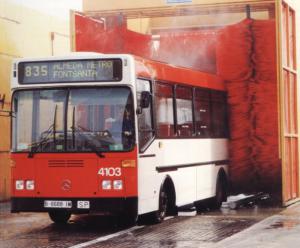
(29, 30)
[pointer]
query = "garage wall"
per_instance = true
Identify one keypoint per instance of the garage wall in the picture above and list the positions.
(25, 32)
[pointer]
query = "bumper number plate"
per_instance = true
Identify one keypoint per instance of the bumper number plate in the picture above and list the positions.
(58, 204)
(83, 204)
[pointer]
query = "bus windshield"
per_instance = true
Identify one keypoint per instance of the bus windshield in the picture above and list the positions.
(73, 120)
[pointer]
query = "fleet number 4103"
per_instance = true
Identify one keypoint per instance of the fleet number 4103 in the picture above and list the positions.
(110, 172)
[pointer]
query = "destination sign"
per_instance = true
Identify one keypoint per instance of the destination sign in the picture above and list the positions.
(96, 70)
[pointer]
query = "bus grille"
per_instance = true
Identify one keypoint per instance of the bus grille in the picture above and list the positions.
(65, 163)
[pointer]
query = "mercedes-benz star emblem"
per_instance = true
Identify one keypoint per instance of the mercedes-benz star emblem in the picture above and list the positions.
(66, 185)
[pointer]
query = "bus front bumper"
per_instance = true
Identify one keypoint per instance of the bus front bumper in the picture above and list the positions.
(74, 205)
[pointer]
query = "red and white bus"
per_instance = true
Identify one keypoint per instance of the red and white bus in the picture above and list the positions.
(115, 134)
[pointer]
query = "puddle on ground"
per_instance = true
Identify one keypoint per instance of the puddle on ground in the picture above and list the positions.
(287, 224)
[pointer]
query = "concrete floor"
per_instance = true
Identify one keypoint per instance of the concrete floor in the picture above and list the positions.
(245, 227)
(280, 230)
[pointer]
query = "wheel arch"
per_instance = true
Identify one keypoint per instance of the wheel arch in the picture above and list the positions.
(168, 183)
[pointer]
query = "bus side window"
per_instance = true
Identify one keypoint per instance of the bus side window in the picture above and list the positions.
(202, 113)
(145, 119)
(184, 110)
(219, 114)
(164, 110)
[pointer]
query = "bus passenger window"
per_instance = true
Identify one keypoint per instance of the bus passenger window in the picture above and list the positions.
(145, 121)
(164, 110)
(184, 111)
(219, 114)
(202, 113)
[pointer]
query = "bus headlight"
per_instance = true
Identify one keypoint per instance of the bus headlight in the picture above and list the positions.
(118, 184)
(19, 184)
(30, 185)
(106, 184)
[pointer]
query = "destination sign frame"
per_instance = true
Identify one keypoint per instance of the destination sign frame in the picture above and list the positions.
(70, 71)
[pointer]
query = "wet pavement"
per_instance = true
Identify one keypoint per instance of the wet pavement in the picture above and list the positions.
(247, 227)
(280, 230)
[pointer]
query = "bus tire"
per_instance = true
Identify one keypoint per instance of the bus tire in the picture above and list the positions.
(159, 215)
(221, 191)
(59, 217)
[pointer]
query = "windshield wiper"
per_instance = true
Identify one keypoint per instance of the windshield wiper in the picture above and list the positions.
(40, 143)
(79, 131)
(51, 129)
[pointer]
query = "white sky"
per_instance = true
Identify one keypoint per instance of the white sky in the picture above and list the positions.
(57, 8)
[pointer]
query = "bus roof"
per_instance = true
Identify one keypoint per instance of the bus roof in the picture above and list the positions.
(174, 74)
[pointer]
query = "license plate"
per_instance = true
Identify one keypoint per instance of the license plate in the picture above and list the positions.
(58, 204)
(83, 204)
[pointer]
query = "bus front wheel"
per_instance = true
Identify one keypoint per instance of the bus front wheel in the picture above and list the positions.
(160, 214)
(59, 217)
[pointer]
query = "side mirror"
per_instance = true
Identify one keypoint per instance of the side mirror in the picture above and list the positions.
(145, 99)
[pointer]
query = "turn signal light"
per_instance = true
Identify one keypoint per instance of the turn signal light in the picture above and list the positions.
(128, 163)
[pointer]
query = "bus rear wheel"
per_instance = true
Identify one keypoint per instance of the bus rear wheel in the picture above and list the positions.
(59, 217)
(221, 192)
